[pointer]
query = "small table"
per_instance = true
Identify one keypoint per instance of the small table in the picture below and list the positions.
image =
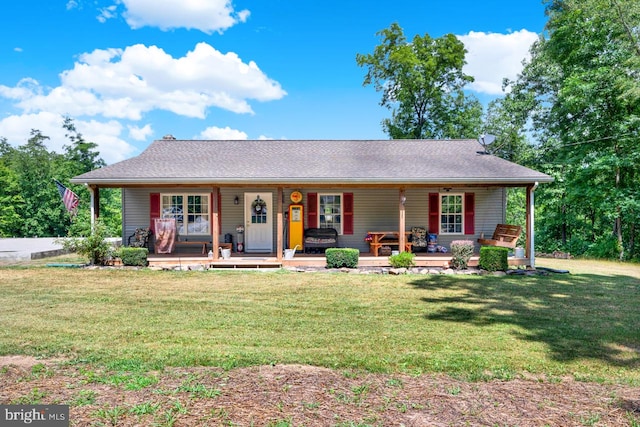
(392, 239)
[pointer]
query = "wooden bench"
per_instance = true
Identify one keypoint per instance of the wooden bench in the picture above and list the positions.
(505, 235)
(202, 244)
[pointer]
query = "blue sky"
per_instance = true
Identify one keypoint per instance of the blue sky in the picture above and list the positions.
(131, 71)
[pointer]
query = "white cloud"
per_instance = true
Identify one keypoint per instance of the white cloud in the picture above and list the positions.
(127, 83)
(221, 133)
(107, 13)
(207, 16)
(17, 130)
(491, 57)
(140, 133)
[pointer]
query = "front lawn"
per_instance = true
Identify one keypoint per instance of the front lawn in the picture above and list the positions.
(583, 325)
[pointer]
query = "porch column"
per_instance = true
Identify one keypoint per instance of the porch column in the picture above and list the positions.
(530, 242)
(280, 225)
(96, 201)
(92, 205)
(401, 222)
(215, 223)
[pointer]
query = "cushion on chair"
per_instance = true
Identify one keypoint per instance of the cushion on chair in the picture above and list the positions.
(419, 237)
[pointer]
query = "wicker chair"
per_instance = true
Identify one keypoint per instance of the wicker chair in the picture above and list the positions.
(419, 239)
(140, 238)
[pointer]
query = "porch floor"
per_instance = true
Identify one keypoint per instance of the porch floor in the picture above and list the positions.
(269, 260)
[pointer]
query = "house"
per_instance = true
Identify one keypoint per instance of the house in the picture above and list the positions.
(453, 187)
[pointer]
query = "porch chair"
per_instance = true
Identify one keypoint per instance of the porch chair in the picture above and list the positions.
(419, 239)
(140, 238)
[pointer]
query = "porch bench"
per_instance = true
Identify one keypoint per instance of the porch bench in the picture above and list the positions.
(202, 244)
(375, 247)
(505, 235)
(319, 239)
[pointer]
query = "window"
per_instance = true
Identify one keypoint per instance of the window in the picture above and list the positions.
(451, 214)
(259, 211)
(330, 211)
(191, 212)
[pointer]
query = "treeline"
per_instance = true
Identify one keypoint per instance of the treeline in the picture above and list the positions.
(30, 204)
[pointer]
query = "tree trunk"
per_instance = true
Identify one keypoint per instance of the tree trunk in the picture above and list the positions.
(619, 220)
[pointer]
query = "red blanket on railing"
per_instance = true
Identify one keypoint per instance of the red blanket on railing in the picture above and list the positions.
(165, 235)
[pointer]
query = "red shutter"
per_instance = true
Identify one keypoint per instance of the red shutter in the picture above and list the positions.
(154, 210)
(434, 213)
(312, 210)
(347, 217)
(469, 213)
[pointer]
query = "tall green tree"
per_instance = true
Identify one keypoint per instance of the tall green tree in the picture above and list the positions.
(11, 200)
(585, 113)
(422, 84)
(42, 213)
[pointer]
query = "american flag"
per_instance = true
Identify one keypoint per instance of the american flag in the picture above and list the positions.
(69, 198)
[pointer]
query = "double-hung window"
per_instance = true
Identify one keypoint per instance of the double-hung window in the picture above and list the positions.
(191, 212)
(330, 211)
(451, 213)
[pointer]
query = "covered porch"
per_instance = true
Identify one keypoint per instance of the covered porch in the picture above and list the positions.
(395, 218)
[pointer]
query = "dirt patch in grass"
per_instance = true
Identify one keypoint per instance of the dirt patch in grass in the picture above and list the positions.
(295, 395)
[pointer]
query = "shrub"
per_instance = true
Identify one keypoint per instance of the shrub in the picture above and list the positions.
(461, 252)
(95, 246)
(402, 260)
(605, 247)
(134, 256)
(342, 257)
(493, 258)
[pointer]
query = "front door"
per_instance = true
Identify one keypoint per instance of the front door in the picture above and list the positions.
(258, 230)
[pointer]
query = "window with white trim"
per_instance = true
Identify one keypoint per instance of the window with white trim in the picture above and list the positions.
(451, 213)
(191, 212)
(330, 211)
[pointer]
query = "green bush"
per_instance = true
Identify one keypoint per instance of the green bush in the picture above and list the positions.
(342, 257)
(134, 256)
(605, 247)
(461, 252)
(402, 260)
(494, 258)
(95, 246)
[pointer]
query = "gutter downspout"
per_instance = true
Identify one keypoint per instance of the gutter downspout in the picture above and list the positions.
(532, 256)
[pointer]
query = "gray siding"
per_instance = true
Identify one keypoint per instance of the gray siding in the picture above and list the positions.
(374, 209)
(135, 205)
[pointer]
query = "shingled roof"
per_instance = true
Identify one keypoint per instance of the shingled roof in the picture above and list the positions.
(170, 161)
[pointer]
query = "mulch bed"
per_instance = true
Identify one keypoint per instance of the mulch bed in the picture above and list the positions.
(296, 395)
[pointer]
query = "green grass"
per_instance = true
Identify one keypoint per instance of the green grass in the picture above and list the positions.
(583, 325)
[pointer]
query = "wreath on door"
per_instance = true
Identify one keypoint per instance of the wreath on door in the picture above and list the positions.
(259, 206)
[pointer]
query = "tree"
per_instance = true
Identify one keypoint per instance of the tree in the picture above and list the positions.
(30, 204)
(588, 119)
(422, 84)
(11, 200)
